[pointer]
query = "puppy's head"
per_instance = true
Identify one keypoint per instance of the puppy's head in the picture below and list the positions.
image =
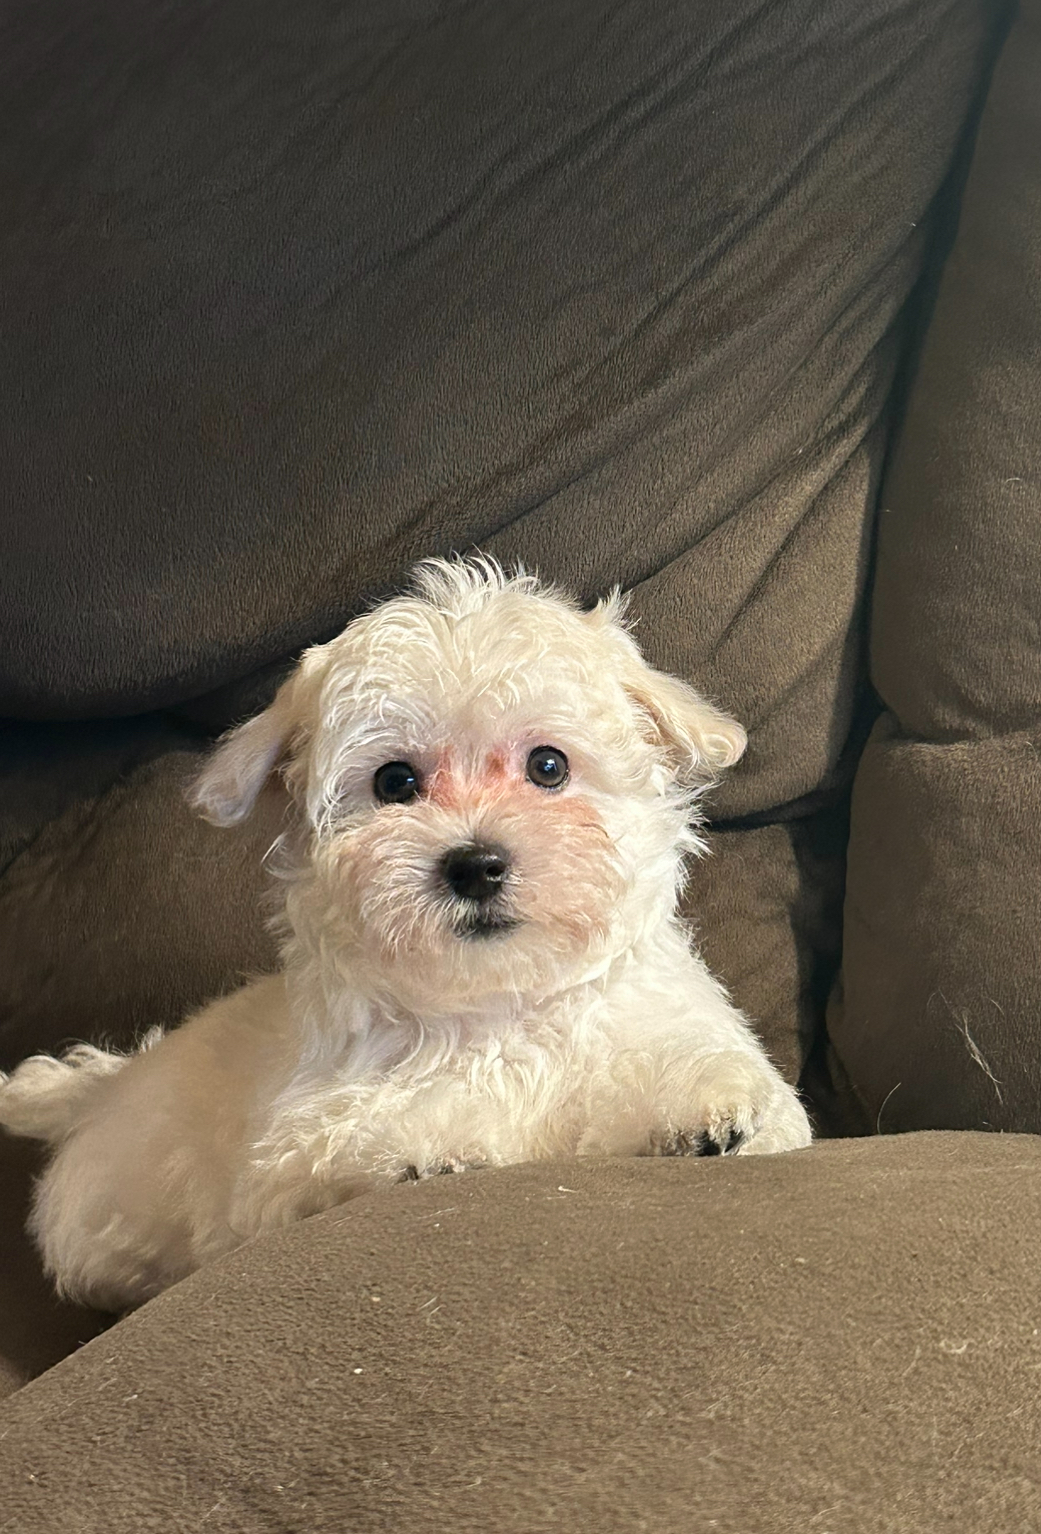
(494, 790)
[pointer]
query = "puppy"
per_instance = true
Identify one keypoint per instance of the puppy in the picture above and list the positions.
(493, 798)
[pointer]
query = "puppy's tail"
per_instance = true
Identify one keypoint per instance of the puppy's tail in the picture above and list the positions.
(45, 1098)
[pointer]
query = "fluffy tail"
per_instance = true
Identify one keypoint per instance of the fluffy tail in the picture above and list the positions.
(46, 1098)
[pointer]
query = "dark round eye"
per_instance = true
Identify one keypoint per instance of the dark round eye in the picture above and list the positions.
(395, 783)
(547, 767)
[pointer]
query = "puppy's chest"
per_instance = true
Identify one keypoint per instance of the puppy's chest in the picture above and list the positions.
(492, 1059)
(529, 1066)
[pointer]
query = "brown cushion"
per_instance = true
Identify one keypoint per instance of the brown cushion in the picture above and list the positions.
(842, 1339)
(942, 979)
(766, 909)
(120, 908)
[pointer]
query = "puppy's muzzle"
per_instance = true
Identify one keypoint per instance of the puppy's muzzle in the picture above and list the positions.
(477, 874)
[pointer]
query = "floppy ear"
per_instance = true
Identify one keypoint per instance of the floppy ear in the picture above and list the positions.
(228, 786)
(699, 739)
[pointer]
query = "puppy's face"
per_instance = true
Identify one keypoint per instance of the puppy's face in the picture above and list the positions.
(494, 789)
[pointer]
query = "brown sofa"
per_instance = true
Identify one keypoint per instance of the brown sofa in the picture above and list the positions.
(695, 298)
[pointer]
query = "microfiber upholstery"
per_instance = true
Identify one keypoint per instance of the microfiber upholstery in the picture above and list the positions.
(942, 982)
(844, 1338)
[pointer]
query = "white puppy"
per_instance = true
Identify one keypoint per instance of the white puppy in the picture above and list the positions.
(493, 799)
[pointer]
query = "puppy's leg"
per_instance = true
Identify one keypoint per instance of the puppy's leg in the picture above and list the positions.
(45, 1098)
(687, 1076)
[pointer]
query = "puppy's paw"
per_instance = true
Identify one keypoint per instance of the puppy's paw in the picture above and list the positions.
(740, 1105)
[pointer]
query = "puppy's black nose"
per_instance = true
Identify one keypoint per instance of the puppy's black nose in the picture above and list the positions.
(475, 872)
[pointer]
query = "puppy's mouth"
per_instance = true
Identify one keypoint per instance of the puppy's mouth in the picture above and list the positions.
(485, 924)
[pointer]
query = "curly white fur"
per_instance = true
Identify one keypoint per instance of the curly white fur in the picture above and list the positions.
(406, 1032)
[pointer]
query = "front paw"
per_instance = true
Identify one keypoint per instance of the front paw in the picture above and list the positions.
(738, 1105)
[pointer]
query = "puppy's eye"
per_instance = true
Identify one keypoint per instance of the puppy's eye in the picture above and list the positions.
(547, 767)
(395, 783)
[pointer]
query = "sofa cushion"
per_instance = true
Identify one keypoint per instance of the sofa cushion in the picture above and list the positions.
(942, 982)
(766, 908)
(120, 908)
(844, 1338)
(293, 295)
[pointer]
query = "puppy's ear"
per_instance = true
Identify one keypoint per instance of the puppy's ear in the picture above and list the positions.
(228, 786)
(699, 739)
